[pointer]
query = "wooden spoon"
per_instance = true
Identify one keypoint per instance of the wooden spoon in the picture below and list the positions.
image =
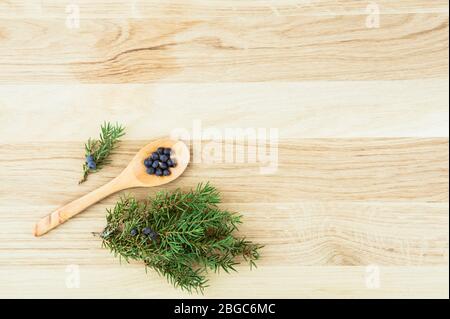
(134, 175)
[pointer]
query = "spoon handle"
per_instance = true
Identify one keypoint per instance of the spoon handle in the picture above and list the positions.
(66, 212)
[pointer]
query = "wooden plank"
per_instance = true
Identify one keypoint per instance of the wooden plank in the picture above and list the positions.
(131, 281)
(212, 8)
(405, 46)
(294, 234)
(319, 109)
(403, 169)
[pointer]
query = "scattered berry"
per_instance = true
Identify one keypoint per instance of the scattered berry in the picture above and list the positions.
(150, 170)
(167, 151)
(166, 172)
(153, 235)
(170, 163)
(160, 150)
(158, 172)
(90, 162)
(163, 158)
(89, 158)
(133, 232)
(147, 231)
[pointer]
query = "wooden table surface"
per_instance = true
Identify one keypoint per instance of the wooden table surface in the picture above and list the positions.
(358, 206)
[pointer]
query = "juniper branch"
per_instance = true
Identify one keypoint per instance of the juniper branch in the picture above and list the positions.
(194, 235)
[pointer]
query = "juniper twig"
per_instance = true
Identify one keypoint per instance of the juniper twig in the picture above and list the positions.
(97, 151)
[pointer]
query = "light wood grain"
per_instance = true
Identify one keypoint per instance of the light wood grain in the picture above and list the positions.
(20, 9)
(407, 46)
(326, 109)
(361, 188)
(115, 281)
(307, 233)
(393, 222)
(396, 170)
(397, 221)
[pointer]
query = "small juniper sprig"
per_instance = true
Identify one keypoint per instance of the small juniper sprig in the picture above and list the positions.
(180, 235)
(97, 151)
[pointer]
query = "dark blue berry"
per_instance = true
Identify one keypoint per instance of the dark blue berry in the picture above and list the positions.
(155, 156)
(155, 164)
(147, 231)
(150, 170)
(158, 172)
(92, 165)
(166, 172)
(148, 162)
(163, 165)
(90, 162)
(153, 235)
(163, 158)
(160, 150)
(133, 232)
(170, 162)
(167, 151)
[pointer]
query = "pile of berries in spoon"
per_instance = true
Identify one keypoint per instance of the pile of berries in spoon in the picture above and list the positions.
(159, 163)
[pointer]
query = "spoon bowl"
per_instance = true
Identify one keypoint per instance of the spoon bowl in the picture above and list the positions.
(134, 175)
(142, 179)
